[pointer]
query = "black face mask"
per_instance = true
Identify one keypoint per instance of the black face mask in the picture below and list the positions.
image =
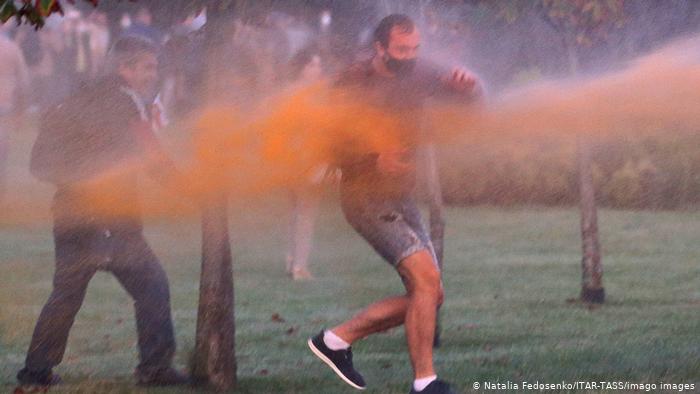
(399, 67)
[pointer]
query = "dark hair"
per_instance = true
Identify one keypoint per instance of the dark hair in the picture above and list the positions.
(127, 49)
(301, 59)
(133, 44)
(383, 30)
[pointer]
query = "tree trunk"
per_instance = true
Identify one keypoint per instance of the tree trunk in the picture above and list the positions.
(214, 359)
(592, 269)
(592, 276)
(214, 362)
(437, 222)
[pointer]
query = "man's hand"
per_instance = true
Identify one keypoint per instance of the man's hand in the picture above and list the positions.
(462, 80)
(324, 173)
(394, 162)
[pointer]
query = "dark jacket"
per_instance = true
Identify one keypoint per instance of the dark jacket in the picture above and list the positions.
(91, 147)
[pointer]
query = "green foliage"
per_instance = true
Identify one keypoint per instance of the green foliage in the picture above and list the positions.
(33, 13)
(637, 171)
(584, 20)
(27, 12)
(625, 187)
(579, 21)
(7, 10)
(513, 172)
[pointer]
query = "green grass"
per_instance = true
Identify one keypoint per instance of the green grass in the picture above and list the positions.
(508, 276)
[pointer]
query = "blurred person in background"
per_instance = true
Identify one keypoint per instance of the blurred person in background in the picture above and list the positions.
(298, 33)
(263, 33)
(60, 65)
(53, 78)
(45, 84)
(305, 68)
(98, 29)
(142, 26)
(14, 91)
(184, 66)
(76, 49)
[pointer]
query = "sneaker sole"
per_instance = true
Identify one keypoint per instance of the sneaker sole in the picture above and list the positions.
(328, 362)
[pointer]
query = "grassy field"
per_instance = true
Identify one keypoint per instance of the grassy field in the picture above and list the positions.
(510, 276)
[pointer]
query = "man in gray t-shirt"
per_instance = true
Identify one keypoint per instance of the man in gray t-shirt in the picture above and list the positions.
(376, 197)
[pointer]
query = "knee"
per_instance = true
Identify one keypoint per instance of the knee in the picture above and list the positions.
(155, 290)
(429, 283)
(430, 279)
(421, 276)
(432, 287)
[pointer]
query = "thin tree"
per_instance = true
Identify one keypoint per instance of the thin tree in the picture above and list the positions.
(582, 23)
(577, 24)
(214, 358)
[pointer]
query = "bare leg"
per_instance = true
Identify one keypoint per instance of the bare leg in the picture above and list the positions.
(422, 279)
(380, 316)
(416, 309)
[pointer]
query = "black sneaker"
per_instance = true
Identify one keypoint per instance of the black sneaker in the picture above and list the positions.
(340, 361)
(435, 387)
(162, 377)
(26, 377)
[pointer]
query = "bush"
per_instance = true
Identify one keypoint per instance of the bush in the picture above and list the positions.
(630, 171)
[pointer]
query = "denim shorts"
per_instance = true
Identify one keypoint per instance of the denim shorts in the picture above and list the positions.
(392, 225)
